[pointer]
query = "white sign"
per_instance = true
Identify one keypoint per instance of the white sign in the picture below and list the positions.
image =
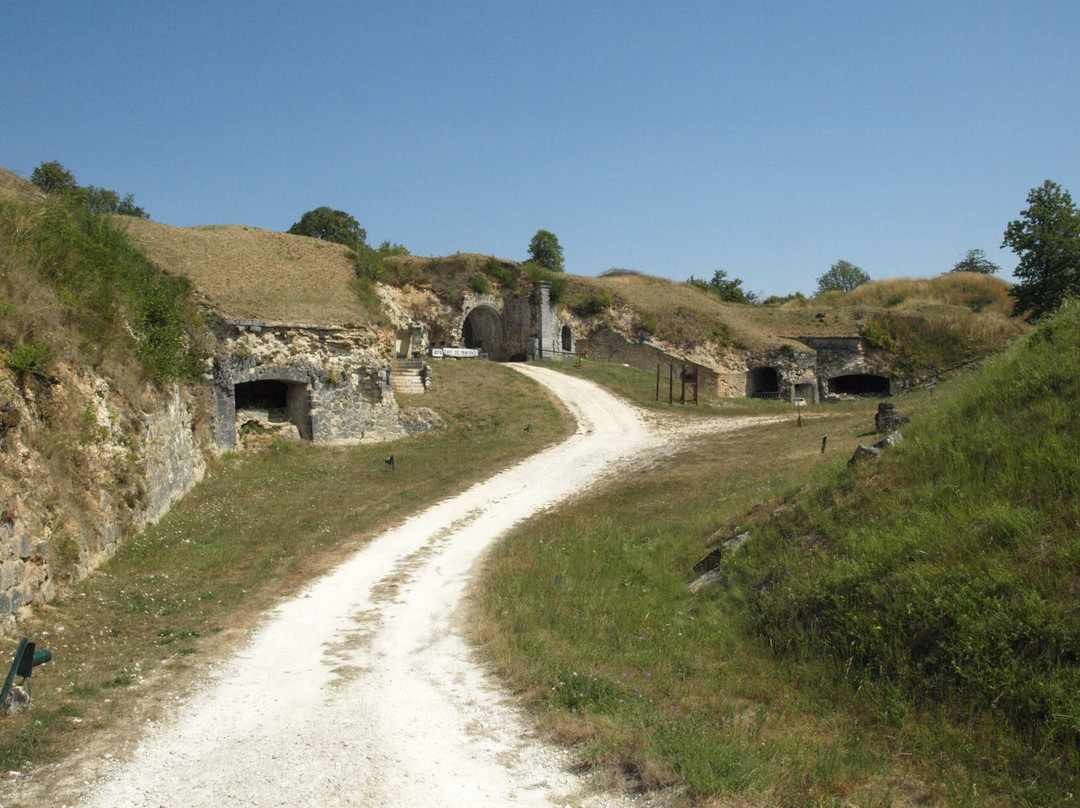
(455, 353)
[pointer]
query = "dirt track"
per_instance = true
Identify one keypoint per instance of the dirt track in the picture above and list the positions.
(361, 691)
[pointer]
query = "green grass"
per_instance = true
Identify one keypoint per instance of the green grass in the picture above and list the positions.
(253, 533)
(903, 632)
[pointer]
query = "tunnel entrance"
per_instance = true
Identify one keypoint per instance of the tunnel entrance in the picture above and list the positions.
(567, 339)
(482, 330)
(861, 384)
(763, 382)
(270, 403)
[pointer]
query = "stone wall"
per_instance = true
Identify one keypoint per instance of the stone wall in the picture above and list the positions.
(133, 469)
(327, 384)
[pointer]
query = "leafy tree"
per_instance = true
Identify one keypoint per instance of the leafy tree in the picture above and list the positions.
(51, 177)
(727, 289)
(331, 225)
(1047, 239)
(975, 261)
(102, 200)
(843, 276)
(545, 250)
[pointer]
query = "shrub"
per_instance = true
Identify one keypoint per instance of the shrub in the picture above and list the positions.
(592, 303)
(29, 359)
(479, 284)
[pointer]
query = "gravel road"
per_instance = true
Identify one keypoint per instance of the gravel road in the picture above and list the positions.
(362, 691)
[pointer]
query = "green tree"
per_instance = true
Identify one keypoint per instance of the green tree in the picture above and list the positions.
(975, 261)
(545, 250)
(727, 289)
(102, 200)
(1047, 239)
(843, 276)
(331, 225)
(51, 177)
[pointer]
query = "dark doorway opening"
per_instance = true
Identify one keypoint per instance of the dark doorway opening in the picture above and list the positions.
(763, 382)
(272, 402)
(567, 339)
(482, 331)
(860, 384)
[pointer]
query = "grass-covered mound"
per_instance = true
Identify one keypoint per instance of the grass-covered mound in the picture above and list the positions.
(945, 577)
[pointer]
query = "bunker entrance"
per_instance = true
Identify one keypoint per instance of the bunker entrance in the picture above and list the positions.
(272, 404)
(763, 382)
(860, 384)
(567, 339)
(483, 331)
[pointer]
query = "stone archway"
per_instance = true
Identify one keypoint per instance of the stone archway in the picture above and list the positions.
(483, 331)
(567, 339)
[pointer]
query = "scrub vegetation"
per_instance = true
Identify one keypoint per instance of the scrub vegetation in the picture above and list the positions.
(902, 632)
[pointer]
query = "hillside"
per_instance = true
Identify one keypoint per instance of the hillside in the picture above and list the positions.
(900, 632)
(247, 273)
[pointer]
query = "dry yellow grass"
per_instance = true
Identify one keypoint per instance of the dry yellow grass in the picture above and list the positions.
(248, 273)
(975, 303)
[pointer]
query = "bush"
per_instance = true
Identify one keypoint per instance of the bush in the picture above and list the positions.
(29, 359)
(110, 289)
(479, 284)
(592, 303)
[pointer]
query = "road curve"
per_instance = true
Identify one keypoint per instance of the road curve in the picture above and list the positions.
(361, 691)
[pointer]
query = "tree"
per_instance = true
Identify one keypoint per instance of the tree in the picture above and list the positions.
(1047, 239)
(975, 261)
(841, 277)
(51, 177)
(331, 225)
(545, 250)
(102, 200)
(727, 289)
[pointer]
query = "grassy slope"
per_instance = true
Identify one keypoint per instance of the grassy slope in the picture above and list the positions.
(247, 273)
(900, 633)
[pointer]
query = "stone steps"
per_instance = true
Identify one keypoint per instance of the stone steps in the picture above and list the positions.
(405, 374)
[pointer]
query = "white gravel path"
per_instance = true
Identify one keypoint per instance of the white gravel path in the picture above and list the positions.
(362, 691)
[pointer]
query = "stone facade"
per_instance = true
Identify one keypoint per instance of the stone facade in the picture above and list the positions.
(321, 383)
(510, 328)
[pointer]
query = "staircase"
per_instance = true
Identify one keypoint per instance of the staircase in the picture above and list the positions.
(405, 374)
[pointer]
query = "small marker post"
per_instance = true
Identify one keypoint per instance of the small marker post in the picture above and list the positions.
(823, 439)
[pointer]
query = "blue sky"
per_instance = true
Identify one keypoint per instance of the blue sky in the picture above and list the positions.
(768, 139)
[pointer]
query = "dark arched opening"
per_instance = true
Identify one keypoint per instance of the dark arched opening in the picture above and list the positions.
(567, 339)
(763, 382)
(483, 331)
(272, 401)
(860, 384)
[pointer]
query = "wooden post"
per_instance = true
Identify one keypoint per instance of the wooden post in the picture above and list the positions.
(670, 383)
(657, 381)
(682, 385)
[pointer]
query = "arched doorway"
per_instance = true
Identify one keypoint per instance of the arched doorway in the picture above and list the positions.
(567, 339)
(763, 382)
(482, 330)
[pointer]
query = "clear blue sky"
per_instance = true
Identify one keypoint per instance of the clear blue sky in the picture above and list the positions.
(768, 139)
